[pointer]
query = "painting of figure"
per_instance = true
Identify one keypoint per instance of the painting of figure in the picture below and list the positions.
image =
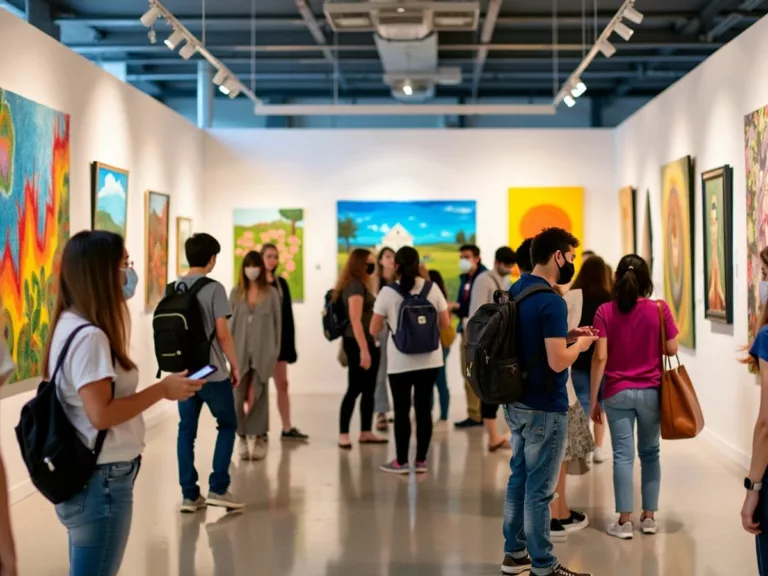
(156, 212)
(756, 159)
(34, 224)
(718, 272)
(110, 198)
(676, 224)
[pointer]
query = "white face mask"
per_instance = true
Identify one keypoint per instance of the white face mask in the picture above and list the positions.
(465, 265)
(763, 292)
(252, 273)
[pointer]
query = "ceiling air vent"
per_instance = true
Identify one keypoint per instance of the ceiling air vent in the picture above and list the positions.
(417, 17)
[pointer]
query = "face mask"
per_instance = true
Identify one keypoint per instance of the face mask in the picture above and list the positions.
(131, 281)
(370, 268)
(763, 292)
(252, 273)
(465, 265)
(567, 272)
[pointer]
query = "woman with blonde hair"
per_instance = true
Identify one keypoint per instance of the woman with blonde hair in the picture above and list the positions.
(256, 325)
(361, 348)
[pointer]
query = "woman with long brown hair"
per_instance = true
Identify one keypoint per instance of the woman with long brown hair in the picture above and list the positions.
(96, 383)
(354, 290)
(385, 275)
(256, 328)
(754, 513)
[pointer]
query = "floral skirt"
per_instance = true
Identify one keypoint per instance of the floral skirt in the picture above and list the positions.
(580, 442)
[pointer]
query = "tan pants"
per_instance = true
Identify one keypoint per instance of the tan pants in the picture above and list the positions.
(473, 402)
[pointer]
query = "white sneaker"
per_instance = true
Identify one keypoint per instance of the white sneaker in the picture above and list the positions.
(258, 447)
(649, 526)
(192, 506)
(598, 456)
(242, 448)
(623, 531)
(225, 500)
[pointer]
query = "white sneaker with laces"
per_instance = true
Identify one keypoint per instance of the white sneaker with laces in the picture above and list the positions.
(259, 447)
(242, 449)
(623, 531)
(598, 456)
(649, 526)
(225, 500)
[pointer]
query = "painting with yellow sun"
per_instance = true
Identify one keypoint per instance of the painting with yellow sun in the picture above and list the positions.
(533, 209)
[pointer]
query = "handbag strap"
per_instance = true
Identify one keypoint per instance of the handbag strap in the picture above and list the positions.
(663, 334)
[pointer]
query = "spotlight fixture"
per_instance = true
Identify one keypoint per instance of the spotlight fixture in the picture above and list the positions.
(151, 16)
(633, 15)
(623, 30)
(174, 39)
(407, 89)
(570, 101)
(607, 48)
(220, 76)
(188, 50)
(400, 10)
(230, 87)
(578, 89)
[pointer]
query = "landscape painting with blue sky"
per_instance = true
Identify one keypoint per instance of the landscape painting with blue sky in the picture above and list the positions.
(111, 199)
(435, 228)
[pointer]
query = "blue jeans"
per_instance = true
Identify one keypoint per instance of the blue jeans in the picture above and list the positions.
(639, 405)
(98, 520)
(583, 387)
(221, 402)
(538, 449)
(442, 389)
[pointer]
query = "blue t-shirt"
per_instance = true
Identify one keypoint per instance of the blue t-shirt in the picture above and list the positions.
(541, 316)
(759, 350)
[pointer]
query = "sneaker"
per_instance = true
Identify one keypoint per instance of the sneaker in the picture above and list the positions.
(395, 468)
(468, 423)
(557, 531)
(575, 522)
(258, 446)
(421, 467)
(294, 434)
(225, 500)
(516, 565)
(561, 570)
(242, 448)
(192, 506)
(623, 531)
(649, 526)
(598, 456)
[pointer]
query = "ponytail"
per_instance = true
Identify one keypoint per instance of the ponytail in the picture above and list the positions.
(407, 266)
(627, 291)
(633, 281)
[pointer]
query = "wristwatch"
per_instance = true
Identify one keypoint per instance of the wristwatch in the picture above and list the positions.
(752, 486)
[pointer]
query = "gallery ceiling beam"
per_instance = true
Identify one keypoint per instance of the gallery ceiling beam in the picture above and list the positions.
(733, 18)
(486, 35)
(314, 29)
(705, 16)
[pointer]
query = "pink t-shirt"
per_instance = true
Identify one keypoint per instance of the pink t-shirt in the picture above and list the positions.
(634, 344)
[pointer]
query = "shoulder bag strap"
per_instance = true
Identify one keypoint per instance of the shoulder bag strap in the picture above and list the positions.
(498, 286)
(663, 335)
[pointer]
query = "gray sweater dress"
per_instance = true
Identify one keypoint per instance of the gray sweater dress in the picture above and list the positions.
(257, 334)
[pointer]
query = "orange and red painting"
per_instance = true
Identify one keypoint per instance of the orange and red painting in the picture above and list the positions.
(34, 224)
(156, 210)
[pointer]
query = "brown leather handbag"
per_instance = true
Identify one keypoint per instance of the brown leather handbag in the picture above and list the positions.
(681, 415)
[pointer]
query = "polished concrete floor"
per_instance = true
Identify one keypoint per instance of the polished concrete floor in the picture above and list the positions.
(312, 510)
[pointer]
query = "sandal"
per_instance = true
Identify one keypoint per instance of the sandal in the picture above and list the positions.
(375, 441)
(345, 446)
(503, 445)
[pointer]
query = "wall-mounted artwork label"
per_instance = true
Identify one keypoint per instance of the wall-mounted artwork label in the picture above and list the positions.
(716, 192)
(156, 212)
(533, 209)
(628, 220)
(435, 228)
(282, 227)
(677, 234)
(34, 224)
(110, 198)
(183, 232)
(756, 153)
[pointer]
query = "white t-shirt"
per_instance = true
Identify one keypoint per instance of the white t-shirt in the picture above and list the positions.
(388, 305)
(90, 360)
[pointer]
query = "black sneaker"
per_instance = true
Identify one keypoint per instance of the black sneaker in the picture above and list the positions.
(294, 434)
(468, 423)
(561, 570)
(516, 565)
(557, 531)
(575, 522)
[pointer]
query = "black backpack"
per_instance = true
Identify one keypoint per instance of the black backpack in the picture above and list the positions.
(181, 341)
(492, 366)
(335, 320)
(418, 329)
(59, 464)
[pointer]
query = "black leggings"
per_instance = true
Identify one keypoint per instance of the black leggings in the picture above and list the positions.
(359, 382)
(489, 411)
(421, 383)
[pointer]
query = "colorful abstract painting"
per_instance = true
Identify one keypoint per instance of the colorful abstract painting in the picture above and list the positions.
(435, 228)
(628, 220)
(646, 244)
(283, 227)
(716, 192)
(677, 234)
(156, 212)
(756, 157)
(533, 209)
(34, 224)
(110, 198)
(183, 232)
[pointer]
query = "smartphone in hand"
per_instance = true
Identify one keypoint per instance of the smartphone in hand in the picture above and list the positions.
(203, 373)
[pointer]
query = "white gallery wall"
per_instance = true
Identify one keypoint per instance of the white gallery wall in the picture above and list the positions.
(703, 116)
(314, 169)
(114, 123)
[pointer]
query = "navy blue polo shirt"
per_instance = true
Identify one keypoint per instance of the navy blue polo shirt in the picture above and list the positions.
(541, 316)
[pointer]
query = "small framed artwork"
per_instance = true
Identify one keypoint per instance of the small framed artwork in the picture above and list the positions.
(717, 204)
(183, 232)
(109, 193)
(156, 211)
(627, 199)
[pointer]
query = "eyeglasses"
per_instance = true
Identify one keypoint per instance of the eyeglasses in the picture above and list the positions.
(127, 264)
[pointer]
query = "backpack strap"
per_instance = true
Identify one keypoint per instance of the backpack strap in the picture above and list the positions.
(193, 289)
(425, 290)
(540, 358)
(531, 290)
(65, 349)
